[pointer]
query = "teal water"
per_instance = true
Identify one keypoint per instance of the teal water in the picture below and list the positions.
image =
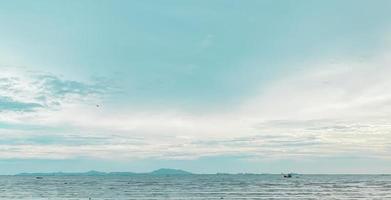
(196, 187)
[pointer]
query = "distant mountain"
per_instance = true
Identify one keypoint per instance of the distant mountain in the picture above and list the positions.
(94, 173)
(122, 173)
(89, 173)
(163, 171)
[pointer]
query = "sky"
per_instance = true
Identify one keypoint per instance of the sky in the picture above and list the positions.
(207, 86)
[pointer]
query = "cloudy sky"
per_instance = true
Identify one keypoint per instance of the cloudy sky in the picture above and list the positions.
(206, 86)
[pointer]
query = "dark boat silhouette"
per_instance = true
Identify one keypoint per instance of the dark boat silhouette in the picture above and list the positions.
(287, 175)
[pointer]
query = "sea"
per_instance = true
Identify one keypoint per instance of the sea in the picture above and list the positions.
(217, 186)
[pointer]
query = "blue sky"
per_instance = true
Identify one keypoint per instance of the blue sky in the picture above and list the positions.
(207, 86)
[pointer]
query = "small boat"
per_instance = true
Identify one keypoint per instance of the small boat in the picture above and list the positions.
(39, 177)
(287, 175)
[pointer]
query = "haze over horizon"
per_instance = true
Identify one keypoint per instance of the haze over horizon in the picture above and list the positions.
(204, 86)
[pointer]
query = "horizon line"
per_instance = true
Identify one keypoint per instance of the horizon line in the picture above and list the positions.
(186, 173)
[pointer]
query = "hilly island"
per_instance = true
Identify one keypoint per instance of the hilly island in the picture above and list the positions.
(162, 171)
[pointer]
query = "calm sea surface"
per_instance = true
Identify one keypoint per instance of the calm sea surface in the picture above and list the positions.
(196, 187)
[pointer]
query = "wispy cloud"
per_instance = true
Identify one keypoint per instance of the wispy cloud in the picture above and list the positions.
(24, 91)
(8, 104)
(330, 110)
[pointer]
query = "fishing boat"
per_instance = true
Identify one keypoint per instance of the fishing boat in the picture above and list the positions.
(289, 175)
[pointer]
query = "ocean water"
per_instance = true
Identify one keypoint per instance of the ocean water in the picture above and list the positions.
(196, 187)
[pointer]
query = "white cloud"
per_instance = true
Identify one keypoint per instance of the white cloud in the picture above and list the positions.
(332, 109)
(25, 91)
